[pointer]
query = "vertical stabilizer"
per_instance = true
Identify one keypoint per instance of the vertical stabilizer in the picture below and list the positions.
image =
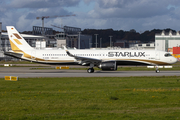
(18, 43)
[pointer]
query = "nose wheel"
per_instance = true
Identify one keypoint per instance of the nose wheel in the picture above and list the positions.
(157, 69)
(90, 70)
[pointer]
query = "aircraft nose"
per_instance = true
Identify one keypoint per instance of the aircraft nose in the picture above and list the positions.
(174, 60)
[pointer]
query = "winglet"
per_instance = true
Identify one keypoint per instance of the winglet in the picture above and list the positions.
(65, 48)
(71, 55)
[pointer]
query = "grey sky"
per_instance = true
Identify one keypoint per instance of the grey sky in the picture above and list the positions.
(140, 15)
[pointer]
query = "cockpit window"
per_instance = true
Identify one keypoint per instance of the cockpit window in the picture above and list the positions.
(167, 55)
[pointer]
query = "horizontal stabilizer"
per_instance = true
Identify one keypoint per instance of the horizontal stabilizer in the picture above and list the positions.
(13, 54)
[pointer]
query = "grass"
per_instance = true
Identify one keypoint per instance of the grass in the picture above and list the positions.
(91, 98)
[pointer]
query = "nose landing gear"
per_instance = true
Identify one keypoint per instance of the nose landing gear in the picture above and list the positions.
(157, 69)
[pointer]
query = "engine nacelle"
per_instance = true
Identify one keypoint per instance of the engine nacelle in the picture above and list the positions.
(109, 65)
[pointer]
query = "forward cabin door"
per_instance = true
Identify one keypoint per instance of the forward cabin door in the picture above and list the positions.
(157, 54)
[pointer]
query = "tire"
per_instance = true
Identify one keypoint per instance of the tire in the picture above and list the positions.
(90, 70)
(157, 71)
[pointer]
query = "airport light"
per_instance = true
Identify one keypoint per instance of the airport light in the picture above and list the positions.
(79, 44)
(96, 39)
(90, 43)
(110, 40)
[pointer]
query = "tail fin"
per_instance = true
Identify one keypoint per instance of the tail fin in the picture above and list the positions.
(18, 43)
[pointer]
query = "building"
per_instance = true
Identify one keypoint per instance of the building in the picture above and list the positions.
(149, 46)
(72, 38)
(1, 52)
(120, 43)
(166, 41)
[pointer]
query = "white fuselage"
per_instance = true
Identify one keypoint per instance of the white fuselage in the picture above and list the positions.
(127, 57)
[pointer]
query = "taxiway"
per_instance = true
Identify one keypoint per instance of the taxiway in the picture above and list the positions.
(25, 72)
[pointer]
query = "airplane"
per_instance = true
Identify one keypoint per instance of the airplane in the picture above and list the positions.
(104, 59)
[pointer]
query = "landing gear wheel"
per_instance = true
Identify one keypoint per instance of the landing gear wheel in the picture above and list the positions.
(90, 70)
(157, 71)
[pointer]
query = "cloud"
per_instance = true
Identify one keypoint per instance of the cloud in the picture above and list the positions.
(137, 14)
(130, 9)
(57, 12)
(96, 14)
(42, 3)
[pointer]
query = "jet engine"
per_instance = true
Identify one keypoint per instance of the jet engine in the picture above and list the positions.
(108, 66)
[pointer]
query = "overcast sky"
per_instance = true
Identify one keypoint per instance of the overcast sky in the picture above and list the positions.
(140, 15)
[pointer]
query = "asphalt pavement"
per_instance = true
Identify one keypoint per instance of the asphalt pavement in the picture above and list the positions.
(25, 72)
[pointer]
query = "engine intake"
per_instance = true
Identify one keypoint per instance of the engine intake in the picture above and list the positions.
(108, 66)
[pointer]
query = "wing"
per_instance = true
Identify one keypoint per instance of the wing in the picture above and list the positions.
(84, 60)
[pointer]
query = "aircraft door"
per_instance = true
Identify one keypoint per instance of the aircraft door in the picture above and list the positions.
(33, 55)
(157, 53)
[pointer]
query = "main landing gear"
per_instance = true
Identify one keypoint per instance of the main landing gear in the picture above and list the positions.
(91, 69)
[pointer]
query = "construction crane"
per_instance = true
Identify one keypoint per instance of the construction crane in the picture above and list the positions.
(57, 26)
(42, 18)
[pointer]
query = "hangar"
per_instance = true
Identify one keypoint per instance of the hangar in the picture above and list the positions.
(166, 41)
